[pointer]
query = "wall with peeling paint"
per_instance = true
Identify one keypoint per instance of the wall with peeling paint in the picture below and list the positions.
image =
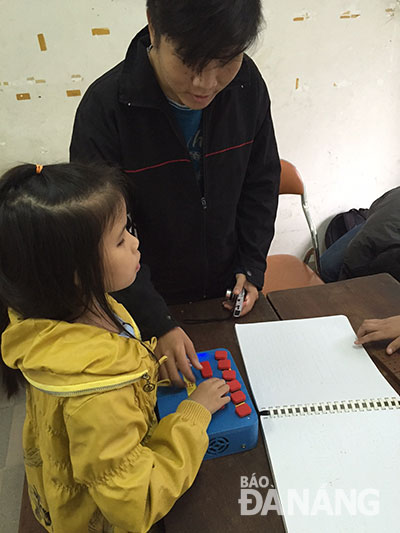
(333, 71)
(332, 68)
(51, 51)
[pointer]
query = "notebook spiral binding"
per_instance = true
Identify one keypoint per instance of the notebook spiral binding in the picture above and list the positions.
(322, 408)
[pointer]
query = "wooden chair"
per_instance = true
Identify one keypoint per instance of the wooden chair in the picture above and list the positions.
(287, 271)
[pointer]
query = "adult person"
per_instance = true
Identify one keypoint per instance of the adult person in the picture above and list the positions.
(376, 247)
(187, 116)
(369, 248)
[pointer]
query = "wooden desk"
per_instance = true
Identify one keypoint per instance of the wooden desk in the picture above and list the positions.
(211, 504)
(375, 296)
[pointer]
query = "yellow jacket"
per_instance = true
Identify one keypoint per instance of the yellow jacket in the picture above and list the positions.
(96, 460)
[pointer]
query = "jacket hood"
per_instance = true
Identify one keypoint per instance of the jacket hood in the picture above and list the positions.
(68, 359)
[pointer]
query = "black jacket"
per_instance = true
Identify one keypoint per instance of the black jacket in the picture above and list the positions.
(376, 247)
(194, 238)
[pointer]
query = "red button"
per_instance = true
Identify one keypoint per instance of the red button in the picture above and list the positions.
(238, 397)
(206, 371)
(221, 354)
(234, 385)
(225, 364)
(228, 375)
(243, 410)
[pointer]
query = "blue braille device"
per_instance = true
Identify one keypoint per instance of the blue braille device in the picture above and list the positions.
(228, 433)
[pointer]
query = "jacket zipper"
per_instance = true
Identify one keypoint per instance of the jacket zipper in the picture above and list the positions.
(202, 190)
(147, 387)
(204, 204)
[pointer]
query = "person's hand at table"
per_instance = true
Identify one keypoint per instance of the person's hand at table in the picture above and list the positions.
(177, 346)
(380, 329)
(250, 298)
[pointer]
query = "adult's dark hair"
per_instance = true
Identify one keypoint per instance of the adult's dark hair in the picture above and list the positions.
(51, 227)
(202, 30)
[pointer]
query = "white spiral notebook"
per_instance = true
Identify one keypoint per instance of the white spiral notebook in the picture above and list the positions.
(331, 424)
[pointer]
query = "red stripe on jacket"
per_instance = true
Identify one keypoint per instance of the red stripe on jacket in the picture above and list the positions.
(160, 165)
(188, 160)
(230, 148)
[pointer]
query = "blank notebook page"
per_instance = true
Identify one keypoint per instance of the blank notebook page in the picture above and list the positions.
(308, 361)
(338, 453)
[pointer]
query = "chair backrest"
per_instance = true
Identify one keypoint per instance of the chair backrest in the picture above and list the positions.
(291, 183)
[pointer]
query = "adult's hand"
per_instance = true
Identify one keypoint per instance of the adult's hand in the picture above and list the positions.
(380, 329)
(177, 346)
(251, 294)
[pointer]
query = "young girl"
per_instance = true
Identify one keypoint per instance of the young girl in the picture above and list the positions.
(95, 457)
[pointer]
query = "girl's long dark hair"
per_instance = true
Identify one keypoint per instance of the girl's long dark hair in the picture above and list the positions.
(12, 379)
(51, 227)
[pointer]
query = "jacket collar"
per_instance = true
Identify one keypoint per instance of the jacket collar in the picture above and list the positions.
(138, 84)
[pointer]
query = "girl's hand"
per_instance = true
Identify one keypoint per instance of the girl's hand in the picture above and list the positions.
(179, 349)
(377, 330)
(211, 394)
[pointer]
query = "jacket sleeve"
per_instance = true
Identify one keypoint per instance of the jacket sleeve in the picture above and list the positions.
(135, 484)
(95, 139)
(95, 136)
(375, 249)
(358, 255)
(259, 200)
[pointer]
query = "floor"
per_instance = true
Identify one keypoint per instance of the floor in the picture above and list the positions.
(12, 414)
